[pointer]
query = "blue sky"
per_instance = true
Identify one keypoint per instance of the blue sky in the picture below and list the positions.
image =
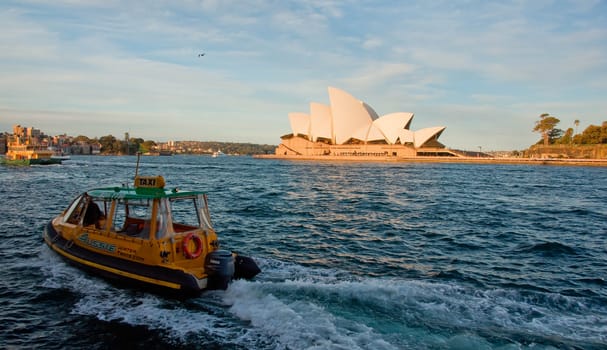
(484, 69)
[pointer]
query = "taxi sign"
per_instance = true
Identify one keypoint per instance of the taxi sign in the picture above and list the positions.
(149, 182)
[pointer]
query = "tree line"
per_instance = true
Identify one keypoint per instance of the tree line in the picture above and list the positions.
(551, 135)
(112, 145)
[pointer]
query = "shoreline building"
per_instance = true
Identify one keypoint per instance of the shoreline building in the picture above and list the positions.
(351, 128)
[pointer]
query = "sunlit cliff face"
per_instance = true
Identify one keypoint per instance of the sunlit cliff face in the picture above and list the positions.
(347, 118)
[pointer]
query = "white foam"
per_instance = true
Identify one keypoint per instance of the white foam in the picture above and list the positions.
(291, 306)
(150, 311)
(109, 303)
(299, 324)
(405, 312)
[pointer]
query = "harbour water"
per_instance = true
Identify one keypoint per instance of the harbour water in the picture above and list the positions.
(354, 256)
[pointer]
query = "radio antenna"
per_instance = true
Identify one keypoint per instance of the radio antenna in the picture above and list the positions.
(137, 167)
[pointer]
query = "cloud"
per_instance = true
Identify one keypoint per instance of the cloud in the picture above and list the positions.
(124, 61)
(374, 74)
(372, 43)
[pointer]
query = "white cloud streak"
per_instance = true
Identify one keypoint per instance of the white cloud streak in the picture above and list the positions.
(479, 65)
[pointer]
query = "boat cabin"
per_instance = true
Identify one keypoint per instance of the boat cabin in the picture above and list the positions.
(147, 211)
(147, 235)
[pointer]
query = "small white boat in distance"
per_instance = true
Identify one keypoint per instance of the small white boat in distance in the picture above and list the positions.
(219, 153)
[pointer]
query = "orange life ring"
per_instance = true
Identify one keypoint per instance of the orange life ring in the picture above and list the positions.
(197, 242)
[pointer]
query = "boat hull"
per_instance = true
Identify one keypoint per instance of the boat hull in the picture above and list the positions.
(130, 234)
(153, 278)
(157, 279)
(26, 162)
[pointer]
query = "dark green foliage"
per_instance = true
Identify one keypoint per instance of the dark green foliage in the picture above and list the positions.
(546, 126)
(592, 135)
(111, 145)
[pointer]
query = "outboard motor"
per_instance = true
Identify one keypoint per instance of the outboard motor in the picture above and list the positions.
(220, 268)
(245, 268)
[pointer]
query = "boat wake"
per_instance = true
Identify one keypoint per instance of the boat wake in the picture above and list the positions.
(292, 306)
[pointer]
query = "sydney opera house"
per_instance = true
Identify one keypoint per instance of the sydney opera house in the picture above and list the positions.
(351, 128)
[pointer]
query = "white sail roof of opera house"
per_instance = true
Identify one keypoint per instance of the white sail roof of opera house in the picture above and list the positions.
(347, 118)
(321, 122)
(300, 123)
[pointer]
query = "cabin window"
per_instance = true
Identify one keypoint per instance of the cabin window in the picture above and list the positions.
(95, 213)
(184, 212)
(141, 209)
(104, 206)
(189, 213)
(75, 211)
(161, 228)
(205, 215)
(119, 219)
(133, 217)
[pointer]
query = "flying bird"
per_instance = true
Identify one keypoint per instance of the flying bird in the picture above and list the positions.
(200, 54)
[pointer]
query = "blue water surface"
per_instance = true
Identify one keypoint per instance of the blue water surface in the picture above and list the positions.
(354, 256)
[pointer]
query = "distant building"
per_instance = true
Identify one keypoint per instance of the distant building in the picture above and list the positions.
(3, 143)
(95, 148)
(18, 130)
(351, 128)
(33, 132)
(60, 144)
(29, 135)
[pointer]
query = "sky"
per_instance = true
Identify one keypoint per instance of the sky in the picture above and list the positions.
(484, 69)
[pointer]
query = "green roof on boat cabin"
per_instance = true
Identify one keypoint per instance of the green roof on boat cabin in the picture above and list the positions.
(146, 187)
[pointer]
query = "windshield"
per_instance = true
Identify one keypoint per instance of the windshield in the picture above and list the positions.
(190, 212)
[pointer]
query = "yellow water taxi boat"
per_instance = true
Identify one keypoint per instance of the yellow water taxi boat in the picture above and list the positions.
(156, 237)
(26, 153)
